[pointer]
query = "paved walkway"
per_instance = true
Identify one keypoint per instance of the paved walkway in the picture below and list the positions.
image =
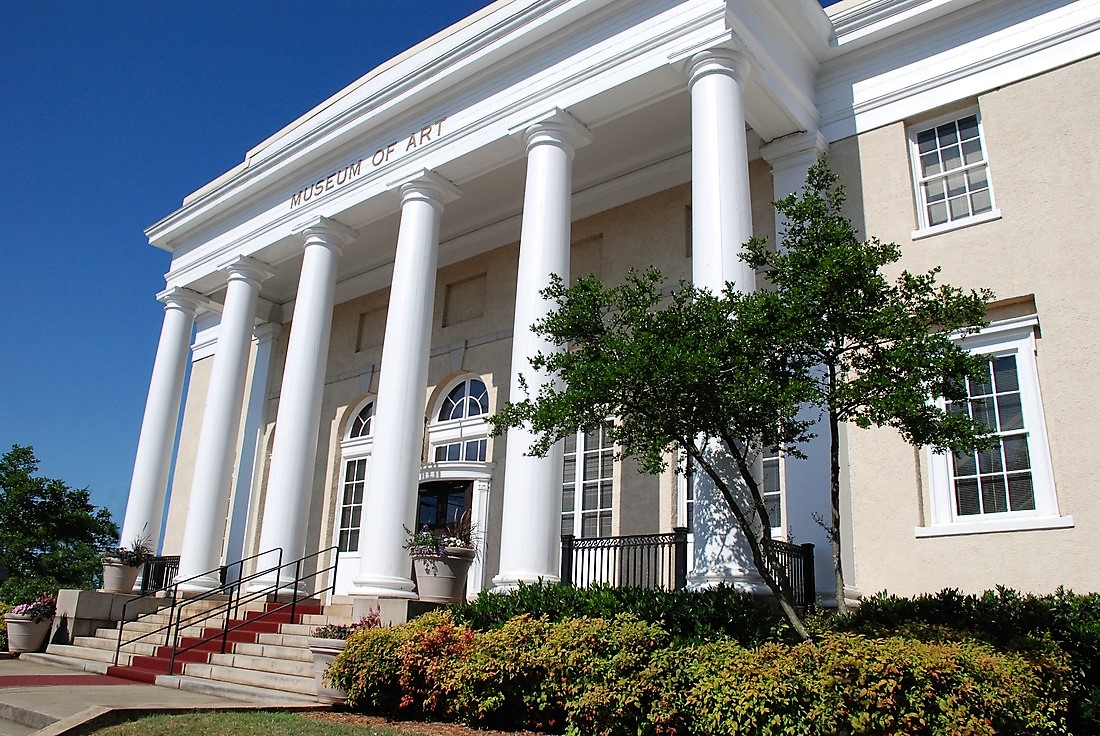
(58, 701)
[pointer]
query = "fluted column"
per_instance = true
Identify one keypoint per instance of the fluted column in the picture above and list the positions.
(721, 213)
(203, 533)
(294, 456)
(721, 222)
(394, 469)
(530, 546)
(149, 483)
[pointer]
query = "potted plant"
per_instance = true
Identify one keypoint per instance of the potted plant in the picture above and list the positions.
(327, 642)
(441, 560)
(29, 623)
(121, 566)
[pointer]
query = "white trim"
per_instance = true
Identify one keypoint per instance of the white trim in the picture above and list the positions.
(1010, 337)
(1010, 524)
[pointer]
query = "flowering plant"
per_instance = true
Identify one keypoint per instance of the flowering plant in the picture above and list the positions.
(342, 631)
(39, 610)
(139, 552)
(430, 542)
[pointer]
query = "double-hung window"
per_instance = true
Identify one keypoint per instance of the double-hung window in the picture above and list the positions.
(1010, 485)
(588, 484)
(951, 174)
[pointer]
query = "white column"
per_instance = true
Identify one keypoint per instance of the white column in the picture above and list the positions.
(252, 437)
(721, 213)
(721, 222)
(805, 481)
(394, 468)
(149, 483)
(530, 542)
(294, 456)
(203, 533)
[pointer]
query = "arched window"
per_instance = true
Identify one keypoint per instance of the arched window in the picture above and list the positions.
(467, 399)
(355, 450)
(459, 431)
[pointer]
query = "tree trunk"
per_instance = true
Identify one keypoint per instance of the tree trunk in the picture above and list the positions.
(834, 498)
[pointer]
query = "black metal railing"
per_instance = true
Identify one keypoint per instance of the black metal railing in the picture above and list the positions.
(283, 584)
(796, 567)
(158, 573)
(634, 561)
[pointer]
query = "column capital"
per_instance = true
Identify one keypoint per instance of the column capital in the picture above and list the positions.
(266, 332)
(327, 231)
(725, 61)
(554, 127)
(250, 269)
(426, 186)
(797, 149)
(177, 297)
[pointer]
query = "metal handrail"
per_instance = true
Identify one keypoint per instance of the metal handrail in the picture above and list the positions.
(636, 560)
(296, 595)
(174, 587)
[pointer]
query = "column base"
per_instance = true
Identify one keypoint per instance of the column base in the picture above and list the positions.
(285, 586)
(383, 586)
(741, 581)
(507, 582)
(203, 584)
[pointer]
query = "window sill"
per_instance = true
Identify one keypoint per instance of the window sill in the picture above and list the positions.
(1018, 524)
(927, 232)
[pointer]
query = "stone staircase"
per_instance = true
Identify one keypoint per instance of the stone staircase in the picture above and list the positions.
(266, 659)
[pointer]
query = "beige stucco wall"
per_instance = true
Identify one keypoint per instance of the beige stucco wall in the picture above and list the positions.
(1042, 144)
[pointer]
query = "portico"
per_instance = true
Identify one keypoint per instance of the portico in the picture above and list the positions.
(400, 236)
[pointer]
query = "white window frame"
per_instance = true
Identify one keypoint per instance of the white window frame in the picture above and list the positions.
(579, 511)
(924, 229)
(352, 450)
(1010, 337)
(685, 495)
(463, 430)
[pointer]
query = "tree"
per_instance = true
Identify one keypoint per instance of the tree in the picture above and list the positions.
(690, 372)
(51, 535)
(877, 351)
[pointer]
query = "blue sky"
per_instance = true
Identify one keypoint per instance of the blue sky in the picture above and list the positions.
(112, 111)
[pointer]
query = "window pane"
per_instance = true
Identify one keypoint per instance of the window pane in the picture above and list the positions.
(994, 499)
(771, 476)
(567, 499)
(440, 454)
(605, 494)
(1016, 454)
(479, 398)
(588, 526)
(571, 443)
(981, 201)
(591, 466)
(937, 213)
(982, 411)
(1004, 372)
(968, 127)
(977, 178)
(989, 461)
(960, 207)
(772, 504)
(933, 190)
(966, 497)
(965, 464)
(956, 185)
(569, 473)
(567, 524)
(356, 494)
(952, 158)
(947, 134)
(926, 140)
(592, 440)
(1020, 492)
(980, 385)
(1012, 415)
(607, 464)
(972, 151)
(930, 163)
(605, 524)
(590, 496)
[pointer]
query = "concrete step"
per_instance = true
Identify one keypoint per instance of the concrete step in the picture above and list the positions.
(298, 668)
(236, 692)
(96, 642)
(284, 640)
(297, 654)
(89, 653)
(71, 663)
(14, 728)
(252, 678)
(296, 629)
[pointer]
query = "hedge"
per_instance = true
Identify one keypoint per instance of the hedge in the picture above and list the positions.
(623, 677)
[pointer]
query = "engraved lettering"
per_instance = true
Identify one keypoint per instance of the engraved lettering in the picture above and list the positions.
(354, 169)
(296, 200)
(411, 143)
(426, 134)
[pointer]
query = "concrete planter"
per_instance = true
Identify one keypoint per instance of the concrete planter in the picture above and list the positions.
(119, 578)
(25, 634)
(442, 578)
(325, 652)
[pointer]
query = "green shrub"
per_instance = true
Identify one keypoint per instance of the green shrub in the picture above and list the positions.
(1006, 619)
(688, 616)
(4, 608)
(853, 685)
